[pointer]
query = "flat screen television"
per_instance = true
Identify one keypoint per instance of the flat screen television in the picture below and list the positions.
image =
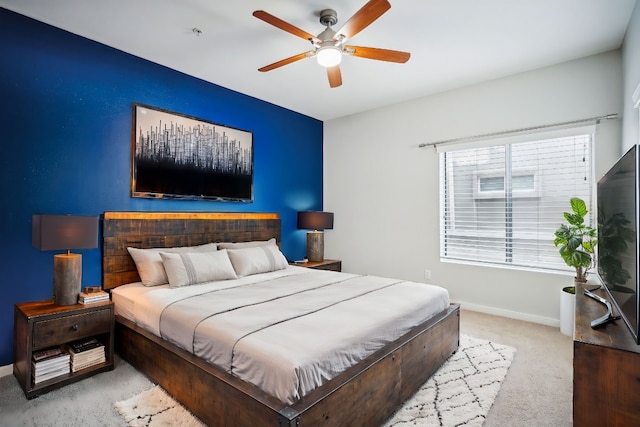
(182, 157)
(617, 259)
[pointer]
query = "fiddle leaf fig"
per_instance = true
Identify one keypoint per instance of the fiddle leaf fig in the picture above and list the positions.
(577, 240)
(579, 207)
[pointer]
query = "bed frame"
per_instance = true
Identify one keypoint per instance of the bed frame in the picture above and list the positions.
(366, 394)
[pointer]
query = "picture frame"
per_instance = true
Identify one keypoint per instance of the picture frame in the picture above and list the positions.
(176, 156)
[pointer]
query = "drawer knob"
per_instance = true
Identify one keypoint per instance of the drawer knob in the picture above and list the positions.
(74, 328)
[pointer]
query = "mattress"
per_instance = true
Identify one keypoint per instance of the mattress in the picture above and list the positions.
(287, 331)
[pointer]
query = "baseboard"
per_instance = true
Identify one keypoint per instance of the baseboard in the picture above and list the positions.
(6, 370)
(510, 314)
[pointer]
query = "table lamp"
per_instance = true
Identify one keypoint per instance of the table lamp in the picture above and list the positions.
(58, 232)
(316, 221)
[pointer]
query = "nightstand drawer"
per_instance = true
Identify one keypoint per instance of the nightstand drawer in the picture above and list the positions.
(51, 332)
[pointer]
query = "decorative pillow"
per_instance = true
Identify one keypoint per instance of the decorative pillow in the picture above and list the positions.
(149, 263)
(257, 259)
(190, 268)
(240, 245)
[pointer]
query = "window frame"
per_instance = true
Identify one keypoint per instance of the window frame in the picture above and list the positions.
(453, 237)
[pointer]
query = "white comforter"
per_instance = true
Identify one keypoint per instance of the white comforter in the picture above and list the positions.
(287, 331)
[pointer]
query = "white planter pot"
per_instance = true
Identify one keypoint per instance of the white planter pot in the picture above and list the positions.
(567, 311)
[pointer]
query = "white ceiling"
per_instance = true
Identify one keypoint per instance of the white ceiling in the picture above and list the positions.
(453, 43)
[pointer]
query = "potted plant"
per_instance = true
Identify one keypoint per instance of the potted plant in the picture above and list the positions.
(577, 242)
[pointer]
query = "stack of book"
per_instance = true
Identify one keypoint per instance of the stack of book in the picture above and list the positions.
(49, 363)
(92, 297)
(85, 353)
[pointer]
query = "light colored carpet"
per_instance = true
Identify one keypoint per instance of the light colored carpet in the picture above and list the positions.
(85, 403)
(537, 391)
(459, 394)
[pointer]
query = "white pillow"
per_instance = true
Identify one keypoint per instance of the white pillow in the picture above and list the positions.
(149, 263)
(240, 245)
(257, 259)
(190, 268)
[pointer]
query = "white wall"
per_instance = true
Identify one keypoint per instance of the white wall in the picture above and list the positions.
(631, 72)
(384, 190)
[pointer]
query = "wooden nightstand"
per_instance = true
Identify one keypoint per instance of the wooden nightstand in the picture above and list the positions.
(41, 325)
(327, 264)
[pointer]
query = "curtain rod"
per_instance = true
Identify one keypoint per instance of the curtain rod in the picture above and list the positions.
(515, 131)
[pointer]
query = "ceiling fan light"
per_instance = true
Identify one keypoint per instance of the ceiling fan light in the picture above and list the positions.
(329, 56)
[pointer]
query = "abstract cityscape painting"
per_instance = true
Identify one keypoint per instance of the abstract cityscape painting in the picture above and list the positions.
(181, 157)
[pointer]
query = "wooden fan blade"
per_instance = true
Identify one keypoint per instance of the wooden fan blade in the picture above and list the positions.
(378, 54)
(335, 76)
(371, 11)
(285, 26)
(286, 61)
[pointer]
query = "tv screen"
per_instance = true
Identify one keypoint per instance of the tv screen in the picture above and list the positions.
(617, 236)
(182, 157)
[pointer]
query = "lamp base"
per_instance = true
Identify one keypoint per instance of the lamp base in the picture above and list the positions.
(67, 278)
(315, 246)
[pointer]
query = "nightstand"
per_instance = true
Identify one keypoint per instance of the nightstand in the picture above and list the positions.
(327, 264)
(42, 324)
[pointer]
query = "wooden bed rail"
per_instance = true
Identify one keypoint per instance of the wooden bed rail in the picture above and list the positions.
(390, 376)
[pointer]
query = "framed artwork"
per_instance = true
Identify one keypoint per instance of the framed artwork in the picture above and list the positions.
(176, 156)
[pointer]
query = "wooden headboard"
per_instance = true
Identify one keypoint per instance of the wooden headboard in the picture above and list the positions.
(169, 229)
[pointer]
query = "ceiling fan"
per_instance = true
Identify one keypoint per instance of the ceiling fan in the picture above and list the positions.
(329, 46)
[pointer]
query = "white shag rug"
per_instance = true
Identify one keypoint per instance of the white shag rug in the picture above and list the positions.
(460, 393)
(155, 408)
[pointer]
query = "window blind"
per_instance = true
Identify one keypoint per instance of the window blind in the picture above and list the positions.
(502, 200)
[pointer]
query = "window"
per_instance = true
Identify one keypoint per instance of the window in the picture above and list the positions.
(501, 202)
(492, 184)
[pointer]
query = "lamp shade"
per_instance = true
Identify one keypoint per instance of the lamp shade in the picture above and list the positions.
(57, 232)
(315, 220)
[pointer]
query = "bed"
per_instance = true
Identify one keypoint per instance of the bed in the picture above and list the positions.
(366, 393)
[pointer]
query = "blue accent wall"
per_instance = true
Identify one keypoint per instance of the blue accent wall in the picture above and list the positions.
(65, 133)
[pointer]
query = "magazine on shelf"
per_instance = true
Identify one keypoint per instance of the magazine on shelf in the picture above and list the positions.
(50, 363)
(78, 367)
(48, 353)
(42, 368)
(94, 354)
(83, 345)
(88, 354)
(95, 359)
(85, 353)
(50, 369)
(38, 378)
(49, 359)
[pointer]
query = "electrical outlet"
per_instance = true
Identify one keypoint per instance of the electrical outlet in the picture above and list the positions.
(427, 274)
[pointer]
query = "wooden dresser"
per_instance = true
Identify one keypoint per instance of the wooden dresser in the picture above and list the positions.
(606, 368)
